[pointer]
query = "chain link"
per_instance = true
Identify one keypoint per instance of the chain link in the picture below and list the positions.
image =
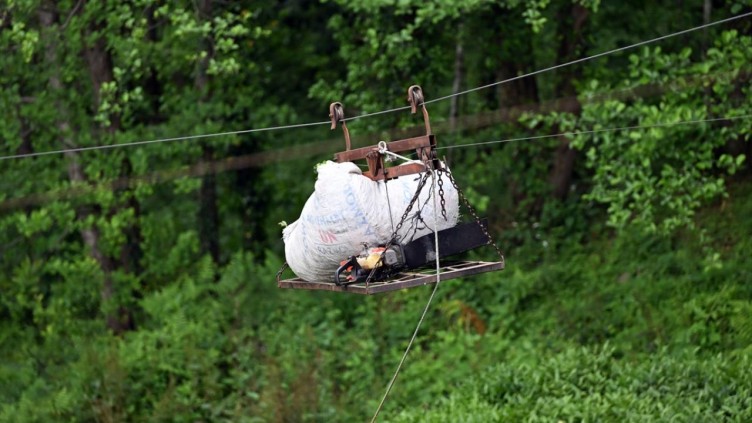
(409, 208)
(475, 216)
(393, 238)
(441, 197)
(281, 270)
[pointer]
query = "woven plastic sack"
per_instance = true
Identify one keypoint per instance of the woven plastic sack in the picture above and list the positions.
(348, 210)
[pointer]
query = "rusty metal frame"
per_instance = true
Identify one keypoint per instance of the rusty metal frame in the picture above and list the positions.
(402, 280)
(424, 146)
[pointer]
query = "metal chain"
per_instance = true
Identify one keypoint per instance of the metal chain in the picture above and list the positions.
(441, 197)
(409, 208)
(281, 270)
(393, 238)
(475, 216)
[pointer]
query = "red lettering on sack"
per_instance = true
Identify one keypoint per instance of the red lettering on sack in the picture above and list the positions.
(327, 237)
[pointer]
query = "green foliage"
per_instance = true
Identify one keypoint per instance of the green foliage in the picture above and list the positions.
(658, 177)
(113, 309)
(633, 331)
(586, 384)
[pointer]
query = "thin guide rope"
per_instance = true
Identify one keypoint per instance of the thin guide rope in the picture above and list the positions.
(428, 304)
(596, 131)
(389, 204)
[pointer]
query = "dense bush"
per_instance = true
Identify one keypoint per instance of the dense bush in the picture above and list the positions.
(137, 281)
(581, 384)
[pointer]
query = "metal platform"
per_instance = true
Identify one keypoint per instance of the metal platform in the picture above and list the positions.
(402, 280)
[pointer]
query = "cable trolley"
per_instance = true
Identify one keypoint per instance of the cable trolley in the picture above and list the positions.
(410, 261)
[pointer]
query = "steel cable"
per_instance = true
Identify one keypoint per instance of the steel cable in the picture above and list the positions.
(301, 125)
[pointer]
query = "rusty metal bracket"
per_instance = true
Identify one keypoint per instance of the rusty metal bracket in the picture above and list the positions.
(337, 114)
(424, 146)
(415, 97)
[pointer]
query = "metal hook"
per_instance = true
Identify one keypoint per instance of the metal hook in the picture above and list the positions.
(337, 114)
(415, 97)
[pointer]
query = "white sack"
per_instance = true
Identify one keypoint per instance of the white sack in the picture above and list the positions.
(347, 209)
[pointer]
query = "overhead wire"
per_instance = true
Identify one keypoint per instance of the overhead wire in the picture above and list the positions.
(258, 160)
(161, 140)
(364, 115)
(301, 125)
(561, 65)
(595, 56)
(595, 131)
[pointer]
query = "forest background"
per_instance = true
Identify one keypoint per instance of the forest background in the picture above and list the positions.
(138, 283)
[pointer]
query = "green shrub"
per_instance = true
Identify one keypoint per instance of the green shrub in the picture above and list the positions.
(583, 384)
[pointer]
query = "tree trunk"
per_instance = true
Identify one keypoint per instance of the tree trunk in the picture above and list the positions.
(707, 7)
(90, 235)
(459, 72)
(100, 67)
(516, 92)
(24, 133)
(572, 39)
(99, 63)
(517, 60)
(208, 215)
(131, 252)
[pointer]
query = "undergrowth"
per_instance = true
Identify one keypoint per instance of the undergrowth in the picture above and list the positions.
(626, 328)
